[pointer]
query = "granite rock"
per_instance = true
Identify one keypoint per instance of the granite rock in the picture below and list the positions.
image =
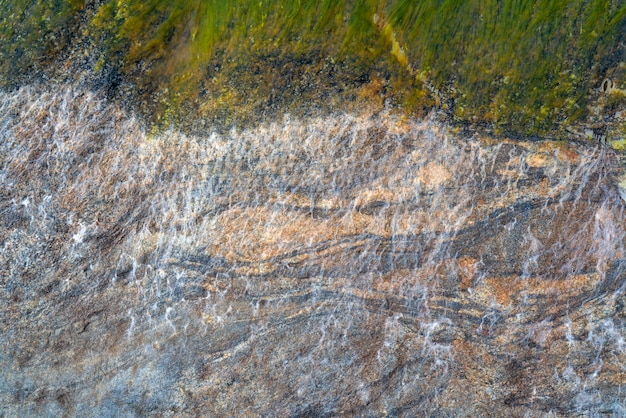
(355, 265)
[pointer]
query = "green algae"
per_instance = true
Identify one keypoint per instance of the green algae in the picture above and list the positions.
(527, 66)
(33, 33)
(524, 67)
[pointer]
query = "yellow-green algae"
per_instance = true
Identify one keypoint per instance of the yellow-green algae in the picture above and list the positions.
(32, 33)
(524, 67)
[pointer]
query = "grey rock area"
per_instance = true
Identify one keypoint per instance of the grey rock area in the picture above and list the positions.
(360, 265)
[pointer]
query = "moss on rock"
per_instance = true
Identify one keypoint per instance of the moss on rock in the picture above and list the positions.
(523, 67)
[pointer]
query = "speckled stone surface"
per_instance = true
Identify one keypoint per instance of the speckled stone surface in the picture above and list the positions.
(348, 266)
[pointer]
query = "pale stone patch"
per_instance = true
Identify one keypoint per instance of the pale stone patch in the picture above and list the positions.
(512, 173)
(376, 195)
(538, 160)
(357, 223)
(621, 187)
(434, 175)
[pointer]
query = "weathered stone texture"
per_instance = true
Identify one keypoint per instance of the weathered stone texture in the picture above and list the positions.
(356, 265)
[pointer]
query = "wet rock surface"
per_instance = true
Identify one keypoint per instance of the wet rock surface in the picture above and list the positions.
(355, 265)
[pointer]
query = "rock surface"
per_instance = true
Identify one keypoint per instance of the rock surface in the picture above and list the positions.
(351, 266)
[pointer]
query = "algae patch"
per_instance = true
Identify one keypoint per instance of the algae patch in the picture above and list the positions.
(525, 68)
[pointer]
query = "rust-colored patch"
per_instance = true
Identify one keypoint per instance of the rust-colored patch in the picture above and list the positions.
(468, 268)
(504, 289)
(507, 290)
(539, 160)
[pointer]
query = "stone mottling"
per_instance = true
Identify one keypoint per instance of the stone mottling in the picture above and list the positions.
(355, 265)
